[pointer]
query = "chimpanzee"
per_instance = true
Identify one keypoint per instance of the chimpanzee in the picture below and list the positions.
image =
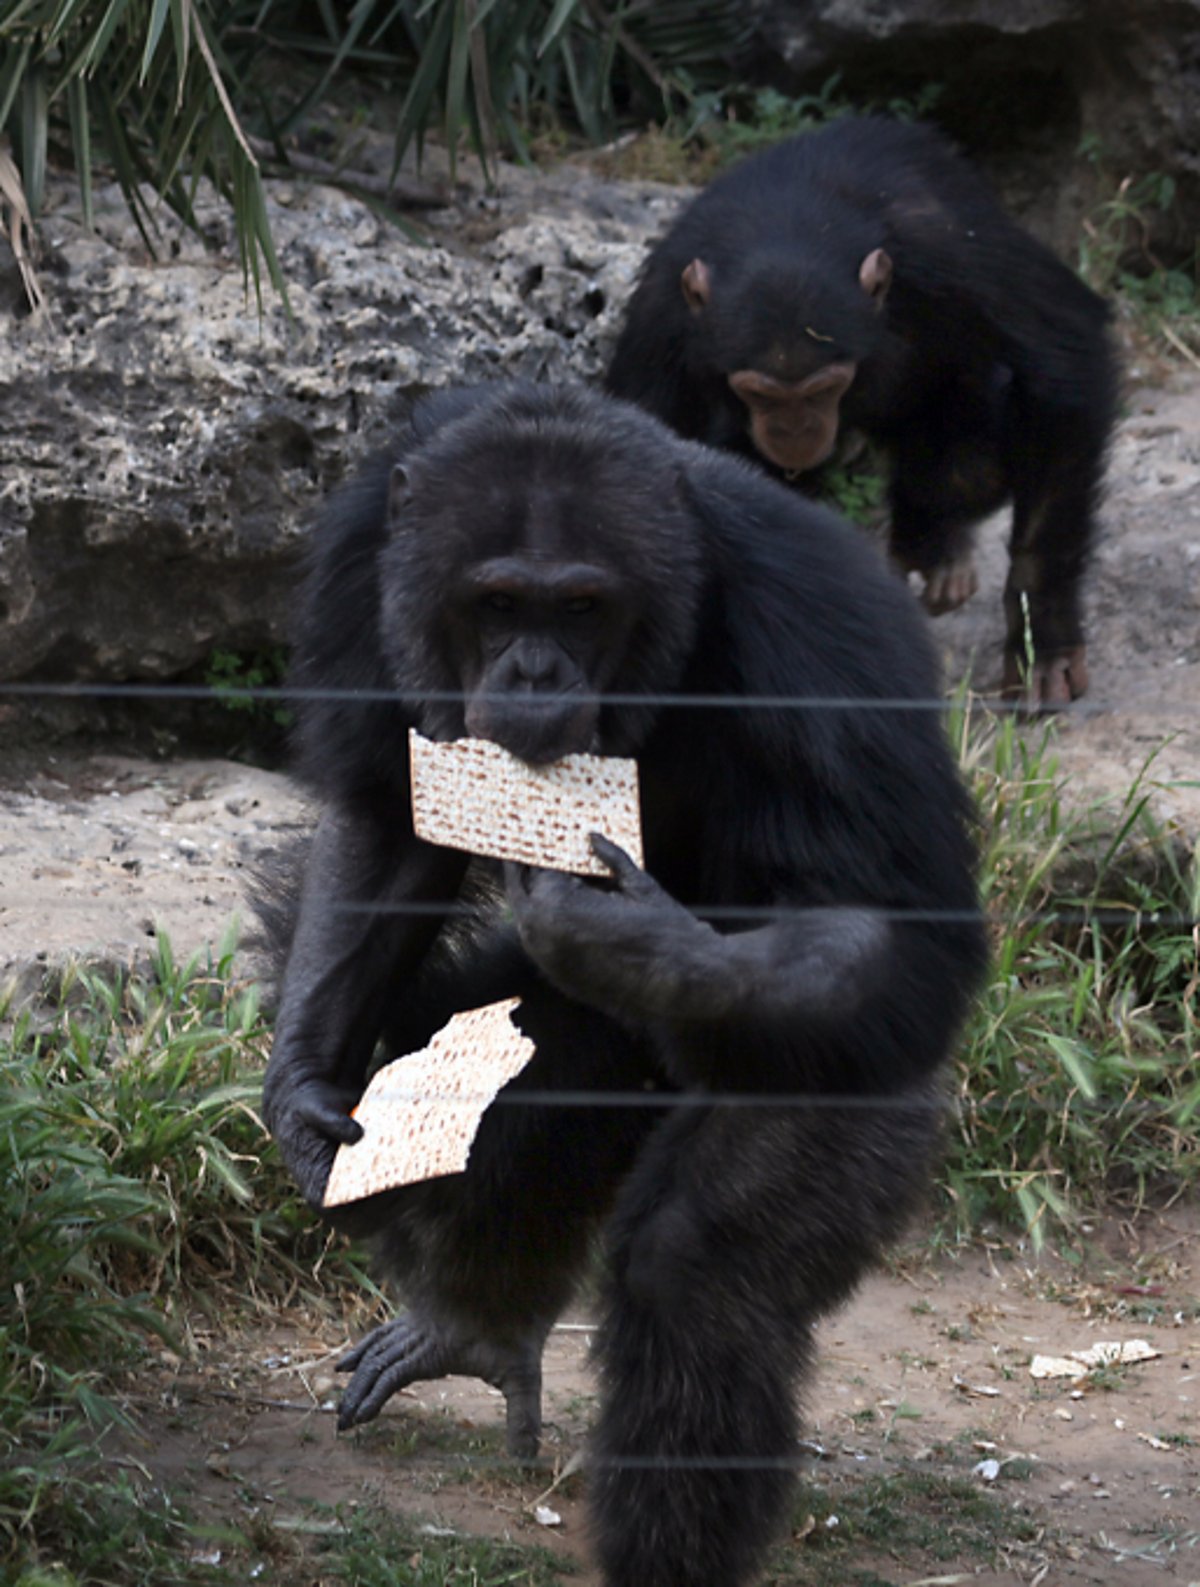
(863, 277)
(747, 1034)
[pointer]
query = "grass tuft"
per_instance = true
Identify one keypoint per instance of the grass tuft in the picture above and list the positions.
(1077, 1080)
(134, 1180)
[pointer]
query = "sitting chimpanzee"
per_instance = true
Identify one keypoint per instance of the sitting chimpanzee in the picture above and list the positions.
(756, 1021)
(863, 276)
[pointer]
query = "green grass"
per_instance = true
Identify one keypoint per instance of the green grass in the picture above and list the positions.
(907, 1515)
(132, 1180)
(370, 1545)
(1077, 1080)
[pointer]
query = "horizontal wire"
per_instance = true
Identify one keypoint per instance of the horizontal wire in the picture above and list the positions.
(590, 1462)
(282, 694)
(668, 1099)
(806, 1457)
(1109, 916)
(840, 1102)
(1081, 917)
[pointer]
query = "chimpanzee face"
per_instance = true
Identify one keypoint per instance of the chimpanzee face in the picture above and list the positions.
(791, 349)
(518, 594)
(535, 642)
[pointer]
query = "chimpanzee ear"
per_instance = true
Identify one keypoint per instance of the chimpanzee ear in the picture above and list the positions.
(875, 275)
(697, 286)
(398, 495)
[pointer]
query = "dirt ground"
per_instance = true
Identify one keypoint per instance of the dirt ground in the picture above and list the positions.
(924, 1380)
(928, 1370)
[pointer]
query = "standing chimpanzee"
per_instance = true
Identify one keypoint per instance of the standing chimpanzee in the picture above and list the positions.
(863, 275)
(759, 1016)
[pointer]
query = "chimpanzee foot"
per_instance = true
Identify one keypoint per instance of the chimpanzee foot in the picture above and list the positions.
(410, 1350)
(949, 585)
(1050, 682)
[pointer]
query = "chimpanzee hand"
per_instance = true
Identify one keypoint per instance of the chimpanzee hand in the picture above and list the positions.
(629, 949)
(634, 950)
(309, 1118)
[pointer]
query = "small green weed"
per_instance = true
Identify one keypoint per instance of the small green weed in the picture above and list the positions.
(712, 129)
(857, 488)
(1159, 301)
(230, 674)
(902, 1514)
(370, 1544)
(739, 120)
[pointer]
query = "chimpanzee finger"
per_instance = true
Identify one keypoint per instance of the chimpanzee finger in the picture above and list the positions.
(625, 869)
(532, 888)
(516, 878)
(326, 1109)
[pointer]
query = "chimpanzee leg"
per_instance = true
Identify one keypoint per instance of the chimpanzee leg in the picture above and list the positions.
(947, 474)
(738, 1228)
(487, 1259)
(1058, 465)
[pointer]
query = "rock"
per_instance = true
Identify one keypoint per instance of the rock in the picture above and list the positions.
(163, 443)
(1063, 99)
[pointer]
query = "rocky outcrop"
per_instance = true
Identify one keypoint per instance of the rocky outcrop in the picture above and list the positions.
(1063, 99)
(162, 443)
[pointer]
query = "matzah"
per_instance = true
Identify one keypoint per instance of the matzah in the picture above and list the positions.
(473, 795)
(420, 1113)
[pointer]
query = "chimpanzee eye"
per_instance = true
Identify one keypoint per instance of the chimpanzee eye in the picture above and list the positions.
(580, 605)
(499, 601)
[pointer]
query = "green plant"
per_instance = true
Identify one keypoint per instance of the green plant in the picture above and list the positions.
(134, 1176)
(148, 83)
(736, 119)
(234, 676)
(1118, 230)
(170, 92)
(857, 488)
(904, 1512)
(1116, 257)
(1077, 1077)
(367, 1544)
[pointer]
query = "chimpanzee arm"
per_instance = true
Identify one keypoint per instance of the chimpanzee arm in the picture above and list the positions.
(633, 950)
(355, 938)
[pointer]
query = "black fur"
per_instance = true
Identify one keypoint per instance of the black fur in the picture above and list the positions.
(986, 370)
(728, 1227)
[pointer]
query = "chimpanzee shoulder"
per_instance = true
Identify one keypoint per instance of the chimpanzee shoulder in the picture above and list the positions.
(805, 611)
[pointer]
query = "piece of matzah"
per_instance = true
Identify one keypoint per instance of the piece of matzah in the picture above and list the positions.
(420, 1113)
(473, 795)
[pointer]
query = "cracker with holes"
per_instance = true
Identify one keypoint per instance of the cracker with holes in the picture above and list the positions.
(421, 1113)
(473, 795)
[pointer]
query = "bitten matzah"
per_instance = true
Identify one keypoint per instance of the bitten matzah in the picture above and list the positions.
(420, 1113)
(473, 795)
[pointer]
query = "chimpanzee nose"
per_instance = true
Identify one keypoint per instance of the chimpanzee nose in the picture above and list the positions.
(537, 664)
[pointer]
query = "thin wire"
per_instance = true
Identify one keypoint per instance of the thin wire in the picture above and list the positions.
(1079, 918)
(890, 1103)
(282, 694)
(799, 1462)
(662, 1100)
